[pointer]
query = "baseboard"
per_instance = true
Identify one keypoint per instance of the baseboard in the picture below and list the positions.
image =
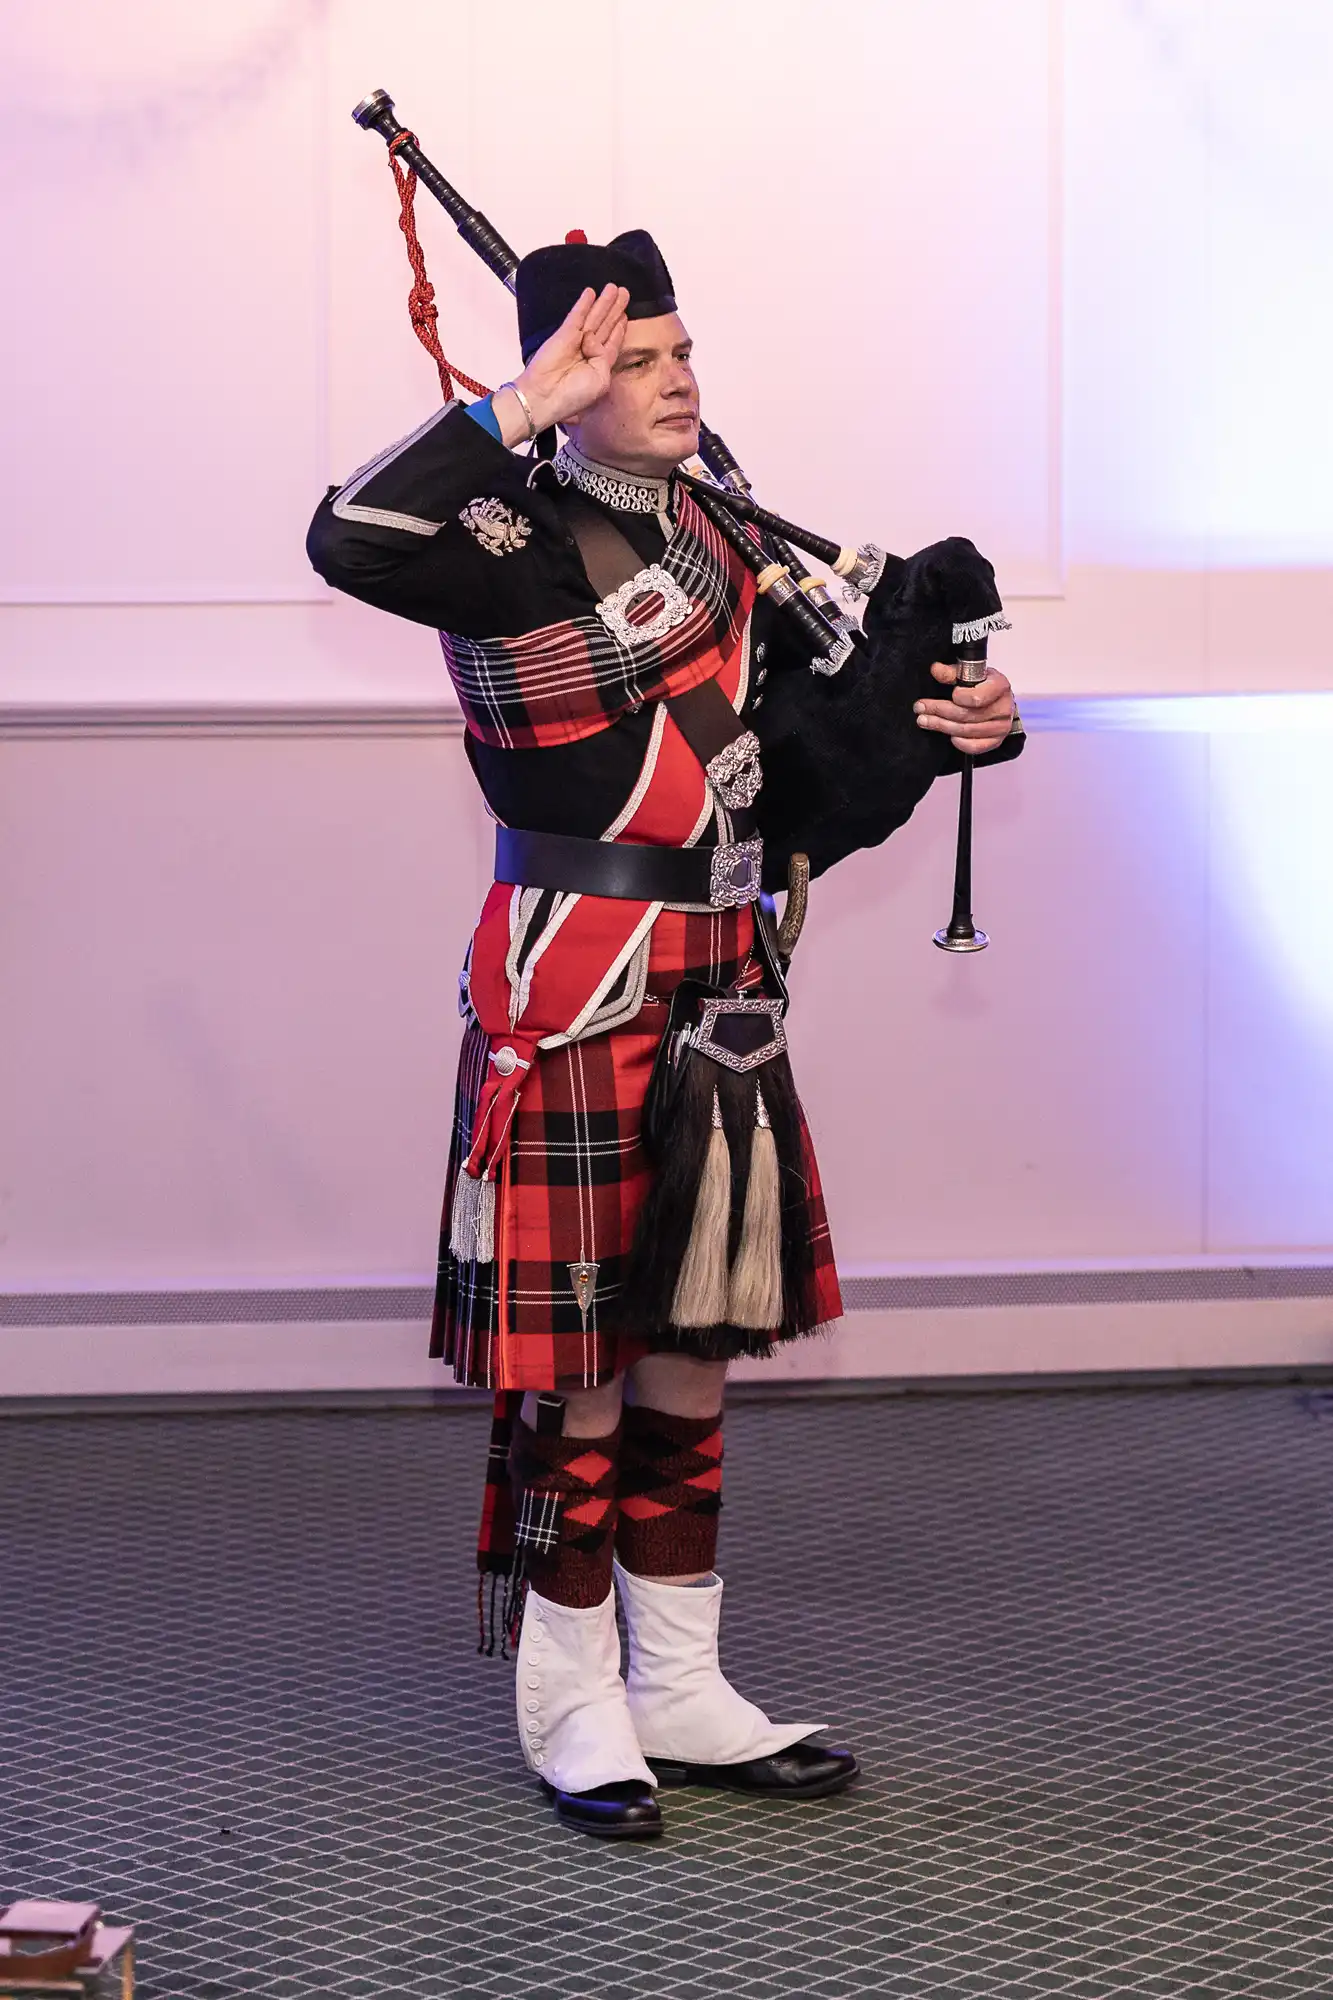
(1104, 1337)
(866, 1288)
(1312, 1384)
(281, 1342)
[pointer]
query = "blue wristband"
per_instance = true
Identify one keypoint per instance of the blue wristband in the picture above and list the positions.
(483, 413)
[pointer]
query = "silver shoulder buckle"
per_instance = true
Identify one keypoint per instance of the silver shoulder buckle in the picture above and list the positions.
(735, 773)
(651, 582)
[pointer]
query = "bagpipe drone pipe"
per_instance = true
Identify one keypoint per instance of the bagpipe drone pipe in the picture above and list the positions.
(844, 764)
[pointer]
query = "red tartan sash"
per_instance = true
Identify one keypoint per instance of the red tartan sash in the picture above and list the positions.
(568, 681)
(589, 940)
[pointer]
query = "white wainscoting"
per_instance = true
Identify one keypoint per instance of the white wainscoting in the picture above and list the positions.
(229, 1025)
(304, 1357)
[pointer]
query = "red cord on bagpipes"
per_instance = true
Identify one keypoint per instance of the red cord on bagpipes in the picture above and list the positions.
(421, 299)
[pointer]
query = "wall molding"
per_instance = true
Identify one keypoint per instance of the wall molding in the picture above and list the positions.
(31, 722)
(1078, 714)
(899, 1291)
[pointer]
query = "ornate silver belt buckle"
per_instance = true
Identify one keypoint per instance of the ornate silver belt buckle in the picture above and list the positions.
(732, 1032)
(651, 582)
(734, 874)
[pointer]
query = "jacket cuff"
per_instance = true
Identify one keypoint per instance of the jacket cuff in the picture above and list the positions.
(1003, 753)
(483, 413)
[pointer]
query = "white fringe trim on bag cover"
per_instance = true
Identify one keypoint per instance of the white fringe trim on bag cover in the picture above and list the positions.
(980, 628)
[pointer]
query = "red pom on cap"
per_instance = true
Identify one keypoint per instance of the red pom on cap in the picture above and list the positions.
(575, 236)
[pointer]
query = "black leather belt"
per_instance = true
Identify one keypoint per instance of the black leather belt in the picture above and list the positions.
(719, 878)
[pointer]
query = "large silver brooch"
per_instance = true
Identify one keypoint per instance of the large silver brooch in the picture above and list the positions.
(497, 527)
(614, 611)
(735, 772)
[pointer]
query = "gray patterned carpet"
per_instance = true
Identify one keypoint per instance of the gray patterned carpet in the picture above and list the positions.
(1083, 1643)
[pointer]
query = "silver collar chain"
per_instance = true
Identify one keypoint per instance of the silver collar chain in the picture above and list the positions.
(629, 491)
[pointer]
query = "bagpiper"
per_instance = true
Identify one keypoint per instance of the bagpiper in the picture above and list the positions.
(632, 1197)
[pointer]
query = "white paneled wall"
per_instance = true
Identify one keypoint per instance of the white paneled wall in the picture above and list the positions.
(231, 1005)
(165, 204)
(230, 1009)
(1053, 275)
(875, 284)
(1044, 1101)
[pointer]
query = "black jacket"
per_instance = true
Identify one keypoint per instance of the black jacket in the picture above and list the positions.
(394, 536)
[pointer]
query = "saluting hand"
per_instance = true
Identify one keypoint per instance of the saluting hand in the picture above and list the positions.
(977, 718)
(571, 369)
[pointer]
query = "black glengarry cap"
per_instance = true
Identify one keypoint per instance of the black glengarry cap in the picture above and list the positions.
(548, 281)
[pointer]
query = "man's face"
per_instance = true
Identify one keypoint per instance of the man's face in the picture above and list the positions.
(648, 420)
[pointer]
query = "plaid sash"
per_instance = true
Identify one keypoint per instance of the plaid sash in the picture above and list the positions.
(568, 681)
(552, 686)
(588, 940)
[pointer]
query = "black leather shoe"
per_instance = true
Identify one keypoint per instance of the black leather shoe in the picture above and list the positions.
(804, 1771)
(626, 1810)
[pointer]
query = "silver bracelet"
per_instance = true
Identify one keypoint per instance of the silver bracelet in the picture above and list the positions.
(526, 408)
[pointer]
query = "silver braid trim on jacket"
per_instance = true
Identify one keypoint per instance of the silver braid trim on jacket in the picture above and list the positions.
(628, 491)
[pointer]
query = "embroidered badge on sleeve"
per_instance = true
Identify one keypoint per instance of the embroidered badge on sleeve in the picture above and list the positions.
(497, 527)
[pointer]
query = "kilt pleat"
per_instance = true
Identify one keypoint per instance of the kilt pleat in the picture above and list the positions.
(575, 1180)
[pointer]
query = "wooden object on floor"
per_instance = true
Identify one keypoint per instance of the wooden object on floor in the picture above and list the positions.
(50, 1947)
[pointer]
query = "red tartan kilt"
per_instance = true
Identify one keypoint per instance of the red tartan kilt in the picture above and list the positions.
(576, 1180)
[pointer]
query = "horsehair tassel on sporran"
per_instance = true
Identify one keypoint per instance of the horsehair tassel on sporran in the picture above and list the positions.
(738, 1284)
(754, 1295)
(701, 1290)
(722, 1258)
